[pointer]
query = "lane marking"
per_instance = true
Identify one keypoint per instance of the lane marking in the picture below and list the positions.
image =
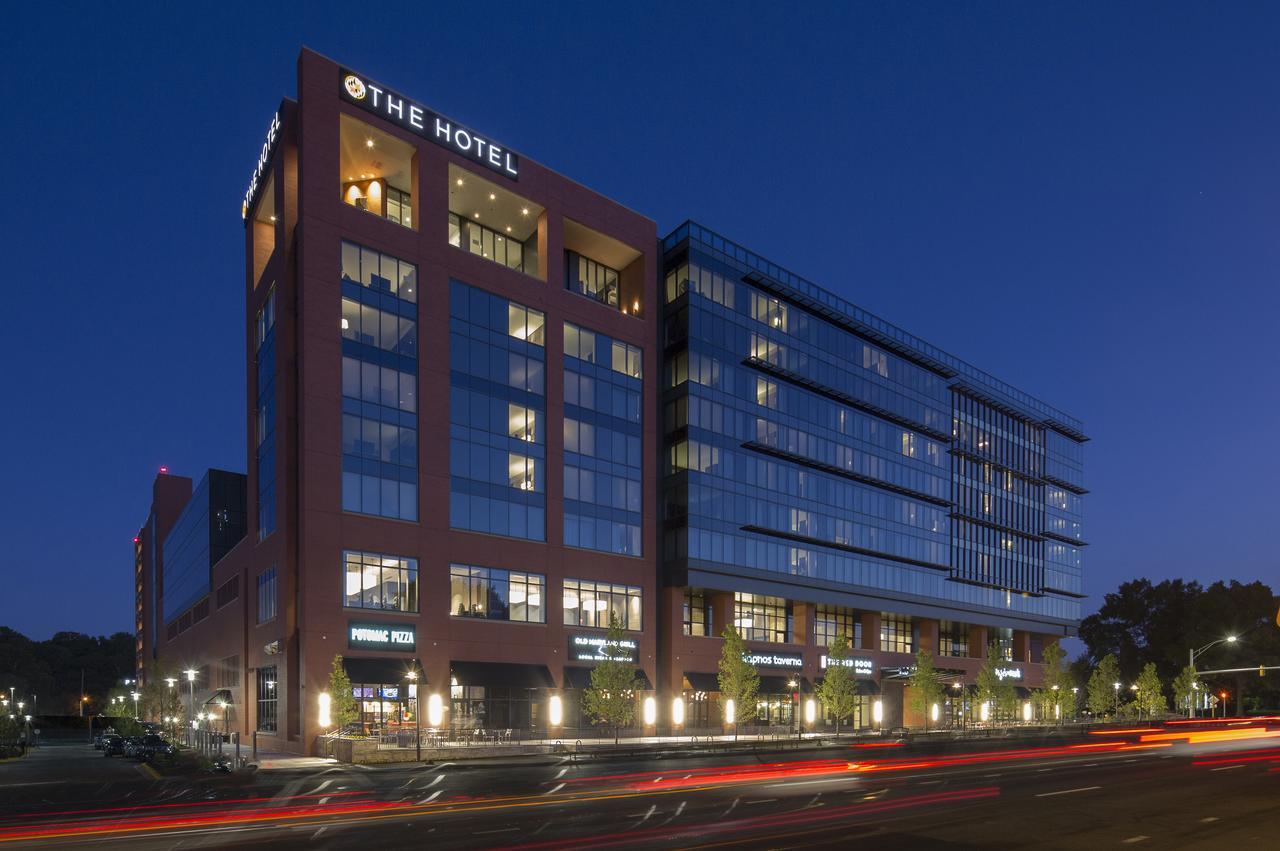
(731, 806)
(761, 801)
(1042, 770)
(1067, 791)
(497, 830)
(562, 773)
(434, 781)
(1138, 838)
(1228, 767)
(431, 797)
(808, 782)
(1208, 819)
(557, 788)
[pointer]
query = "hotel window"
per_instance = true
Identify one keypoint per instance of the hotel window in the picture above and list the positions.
(267, 606)
(490, 221)
(761, 618)
(953, 639)
(384, 582)
(895, 633)
(766, 393)
(697, 613)
(592, 279)
(497, 405)
(399, 210)
(267, 699)
(366, 268)
(768, 310)
(482, 592)
(1004, 643)
(593, 604)
(831, 621)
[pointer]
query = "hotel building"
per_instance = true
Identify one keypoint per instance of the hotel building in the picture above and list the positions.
(488, 410)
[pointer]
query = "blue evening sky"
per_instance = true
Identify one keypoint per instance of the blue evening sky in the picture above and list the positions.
(1081, 198)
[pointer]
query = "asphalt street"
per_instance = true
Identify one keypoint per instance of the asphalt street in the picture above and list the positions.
(1148, 787)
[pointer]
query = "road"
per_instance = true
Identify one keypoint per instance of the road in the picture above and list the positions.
(1146, 787)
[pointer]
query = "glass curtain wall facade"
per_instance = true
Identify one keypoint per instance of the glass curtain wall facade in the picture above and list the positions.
(497, 415)
(379, 384)
(602, 451)
(814, 443)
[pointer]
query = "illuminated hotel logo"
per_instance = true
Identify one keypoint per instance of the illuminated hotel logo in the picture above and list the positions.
(421, 121)
(1009, 673)
(355, 88)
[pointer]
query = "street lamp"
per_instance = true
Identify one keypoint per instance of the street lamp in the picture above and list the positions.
(1192, 655)
(1117, 688)
(417, 716)
(135, 705)
(960, 696)
(191, 699)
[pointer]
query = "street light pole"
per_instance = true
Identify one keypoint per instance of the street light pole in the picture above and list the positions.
(1192, 655)
(191, 701)
(1117, 688)
(417, 715)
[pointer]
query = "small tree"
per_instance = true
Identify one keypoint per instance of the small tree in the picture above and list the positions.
(739, 681)
(1150, 696)
(159, 699)
(1185, 687)
(1101, 688)
(343, 711)
(1057, 681)
(838, 691)
(925, 688)
(991, 688)
(611, 697)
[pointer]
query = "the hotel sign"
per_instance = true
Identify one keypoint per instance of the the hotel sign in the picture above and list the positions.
(862, 666)
(260, 170)
(417, 119)
(381, 636)
(774, 660)
(1008, 673)
(595, 648)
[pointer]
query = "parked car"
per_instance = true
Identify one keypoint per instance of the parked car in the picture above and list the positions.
(131, 745)
(151, 746)
(113, 745)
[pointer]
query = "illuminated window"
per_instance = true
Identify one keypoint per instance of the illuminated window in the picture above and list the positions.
(482, 592)
(697, 613)
(953, 639)
(768, 310)
(895, 633)
(761, 618)
(766, 393)
(522, 422)
(520, 470)
(832, 621)
(593, 604)
(376, 581)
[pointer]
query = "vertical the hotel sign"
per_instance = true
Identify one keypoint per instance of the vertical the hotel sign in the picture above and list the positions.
(419, 120)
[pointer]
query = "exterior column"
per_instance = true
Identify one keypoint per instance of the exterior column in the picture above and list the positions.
(721, 611)
(927, 634)
(1021, 646)
(802, 618)
(870, 630)
(978, 642)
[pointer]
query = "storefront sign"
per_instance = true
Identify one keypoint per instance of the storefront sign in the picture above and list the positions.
(421, 121)
(591, 648)
(862, 667)
(377, 636)
(264, 160)
(1009, 673)
(774, 660)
